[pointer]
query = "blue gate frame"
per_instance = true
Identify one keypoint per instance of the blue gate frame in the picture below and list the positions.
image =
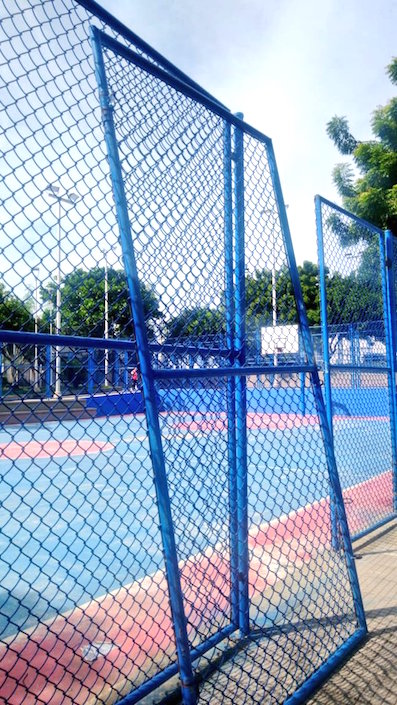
(235, 373)
(386, 266)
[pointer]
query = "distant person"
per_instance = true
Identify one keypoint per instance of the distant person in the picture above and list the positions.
(134, 379)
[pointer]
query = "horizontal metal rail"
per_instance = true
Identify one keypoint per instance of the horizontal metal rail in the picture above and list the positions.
(121, 28)
(233, 371)
(74, 341)
(351, 216)
(179, 85)
(158, 680)
(359, 368)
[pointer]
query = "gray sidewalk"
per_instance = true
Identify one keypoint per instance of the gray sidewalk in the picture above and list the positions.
(369, 677)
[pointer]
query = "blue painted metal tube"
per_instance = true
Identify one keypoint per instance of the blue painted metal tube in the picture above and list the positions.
(324, 314)
(162, 677)
(25, 338)
(320, 676)
(373, 527)
(326, 358)
(124, 31)
(117, 370)
(154, 434)
(180, 86)
(351, 216)
(326, 432)
(48, 370)
(1, 370)
(233, 371)
(241, 392)
(391, 331)
(91, 372)
(125, 371)
(231, 383)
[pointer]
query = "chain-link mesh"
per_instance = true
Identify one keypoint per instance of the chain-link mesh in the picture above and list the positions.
(171, 149)
(85, 613)
(360, 376)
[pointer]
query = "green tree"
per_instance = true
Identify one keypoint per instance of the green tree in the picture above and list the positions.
(357, 298)
(197, 322)
(310, 283)
(14, 313)
(259, 293)
(83, 303)
(373, 194)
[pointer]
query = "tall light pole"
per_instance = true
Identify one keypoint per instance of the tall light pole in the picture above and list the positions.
(274, 312)
(71, 198)
(106, 315)
(274, 298)
(106, 322)
(36, 272)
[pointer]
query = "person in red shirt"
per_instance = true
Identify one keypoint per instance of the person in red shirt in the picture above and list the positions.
(134, 379)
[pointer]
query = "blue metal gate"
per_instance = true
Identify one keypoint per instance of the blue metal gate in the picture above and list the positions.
(196, 190)
(171, 518)
(358, 330)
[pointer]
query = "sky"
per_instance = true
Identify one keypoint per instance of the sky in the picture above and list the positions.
(289, 66)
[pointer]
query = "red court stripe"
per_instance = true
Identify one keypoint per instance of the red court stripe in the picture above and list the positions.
(271, 422)
(21, 450)
(47, 664)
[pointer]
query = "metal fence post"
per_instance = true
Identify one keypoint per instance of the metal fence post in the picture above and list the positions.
(336, 490)
(302, 383)
(117, 370)
(326, 357)
(48, 370)
(389, 298)
(125, 371)
(231, 384)
(188, 687)
(91, 371)
(324, 315)
(241, 392)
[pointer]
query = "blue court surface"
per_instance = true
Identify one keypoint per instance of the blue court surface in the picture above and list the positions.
(76, 527)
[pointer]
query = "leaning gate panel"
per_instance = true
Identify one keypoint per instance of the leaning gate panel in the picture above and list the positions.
(178, 535)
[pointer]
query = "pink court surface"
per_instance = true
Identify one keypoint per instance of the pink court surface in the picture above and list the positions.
(23, 450)
(95, 652)
(102, 647)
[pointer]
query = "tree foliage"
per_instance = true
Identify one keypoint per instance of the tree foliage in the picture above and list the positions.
(353, 298)
(197, 322)
(14, 313)
(259, 292)
(338, 131)
(83, 303)
(207, 323)
(373, 194)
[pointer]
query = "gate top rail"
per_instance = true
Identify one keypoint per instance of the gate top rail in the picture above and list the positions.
(75, 341)
(122, 29)
(180, 85)
(343, 211)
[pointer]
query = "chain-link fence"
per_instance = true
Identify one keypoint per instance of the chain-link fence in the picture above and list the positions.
(358, 361)
(166, 463)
